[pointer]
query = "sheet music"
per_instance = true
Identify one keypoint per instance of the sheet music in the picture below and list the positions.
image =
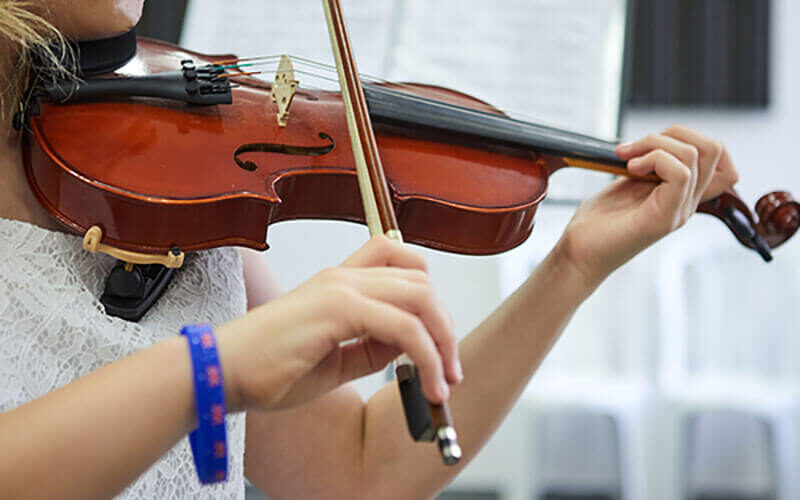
(259, 27)
(556, 61)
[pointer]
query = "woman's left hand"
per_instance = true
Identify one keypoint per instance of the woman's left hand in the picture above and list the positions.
(629, 215)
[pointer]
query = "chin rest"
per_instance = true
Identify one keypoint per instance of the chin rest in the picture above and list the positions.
(97, 57)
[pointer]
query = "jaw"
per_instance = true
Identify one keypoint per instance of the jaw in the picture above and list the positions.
(93, 19)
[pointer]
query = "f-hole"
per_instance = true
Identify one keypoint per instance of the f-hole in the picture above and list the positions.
(284, 149)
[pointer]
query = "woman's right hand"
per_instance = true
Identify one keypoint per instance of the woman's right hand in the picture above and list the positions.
(290, 350)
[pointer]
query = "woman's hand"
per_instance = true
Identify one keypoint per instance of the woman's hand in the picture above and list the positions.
(629, 215)
(290, 350)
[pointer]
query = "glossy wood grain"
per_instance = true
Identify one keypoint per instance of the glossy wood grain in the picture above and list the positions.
(156, 174)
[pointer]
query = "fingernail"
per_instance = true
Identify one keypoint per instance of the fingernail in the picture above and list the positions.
(625, 145)
(444, 390)
(459, 371)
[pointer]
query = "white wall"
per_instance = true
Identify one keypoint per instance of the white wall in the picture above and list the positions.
(762, 143)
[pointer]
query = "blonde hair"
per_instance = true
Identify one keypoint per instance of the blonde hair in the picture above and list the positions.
(34, 44)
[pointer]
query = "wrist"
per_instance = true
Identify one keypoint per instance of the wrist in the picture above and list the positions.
(579, 276)
(255, 373)
(226, 351)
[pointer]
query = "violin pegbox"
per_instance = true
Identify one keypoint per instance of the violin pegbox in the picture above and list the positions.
(778, 217)
(283, 88)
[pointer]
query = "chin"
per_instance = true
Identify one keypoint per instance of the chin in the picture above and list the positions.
(94, 19)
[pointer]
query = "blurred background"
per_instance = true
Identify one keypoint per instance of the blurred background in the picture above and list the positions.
(679, 377)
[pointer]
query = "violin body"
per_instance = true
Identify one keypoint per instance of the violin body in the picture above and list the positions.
(155, 174)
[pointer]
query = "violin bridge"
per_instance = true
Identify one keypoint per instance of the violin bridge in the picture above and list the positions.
(283, 88)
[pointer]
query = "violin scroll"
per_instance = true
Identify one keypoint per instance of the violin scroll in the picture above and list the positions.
(778, 219)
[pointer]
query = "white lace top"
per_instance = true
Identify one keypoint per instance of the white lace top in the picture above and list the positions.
(53, 330)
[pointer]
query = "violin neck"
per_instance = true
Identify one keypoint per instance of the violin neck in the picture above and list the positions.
(574, 149)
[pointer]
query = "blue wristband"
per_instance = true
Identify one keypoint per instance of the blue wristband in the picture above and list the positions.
(209, 440)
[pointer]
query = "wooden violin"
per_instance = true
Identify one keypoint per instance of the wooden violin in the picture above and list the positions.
(130, 156)
(179, 151)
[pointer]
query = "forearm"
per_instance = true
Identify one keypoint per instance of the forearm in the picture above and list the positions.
(369, 443)
(94, 436)
(499, 358)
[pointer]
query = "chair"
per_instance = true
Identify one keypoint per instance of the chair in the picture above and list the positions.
(728, 344)
(730, 455)
(600, 374)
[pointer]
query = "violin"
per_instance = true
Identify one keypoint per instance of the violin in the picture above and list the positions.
(157, 166)
(177, 151)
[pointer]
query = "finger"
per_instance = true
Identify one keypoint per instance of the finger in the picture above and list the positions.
(364, 357)
(725, 177)
(419, 299)
(709, 155)
(671, 195)
(381, 251)
(400, 329)
(684, 151)
(397, 273)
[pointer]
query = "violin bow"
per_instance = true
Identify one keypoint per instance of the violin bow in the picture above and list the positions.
(426, 421)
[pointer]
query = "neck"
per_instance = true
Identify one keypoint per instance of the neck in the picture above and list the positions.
(16, 199)
(387, 105)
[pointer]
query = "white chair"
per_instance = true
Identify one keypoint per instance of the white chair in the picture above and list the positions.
(611, 415)
(602, 368)
(592, 438)
(730, 455)
(728, 344)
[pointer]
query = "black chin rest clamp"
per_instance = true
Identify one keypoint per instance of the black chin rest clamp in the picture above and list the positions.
(132, 289)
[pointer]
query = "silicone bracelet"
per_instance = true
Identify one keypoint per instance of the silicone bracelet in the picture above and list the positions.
(209, 440)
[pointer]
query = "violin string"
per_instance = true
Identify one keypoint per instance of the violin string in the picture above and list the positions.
(258, 60)
(236, 60)
(243, 73)
(262, 61)
(333, 78)
(303, 85)
(265, 60)
(411, 90)
(372, 79)
(299, 71)
(326, 78)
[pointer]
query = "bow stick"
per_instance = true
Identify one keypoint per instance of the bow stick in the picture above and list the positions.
(426, 421)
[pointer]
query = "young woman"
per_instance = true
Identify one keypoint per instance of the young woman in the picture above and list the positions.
(92, 406)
